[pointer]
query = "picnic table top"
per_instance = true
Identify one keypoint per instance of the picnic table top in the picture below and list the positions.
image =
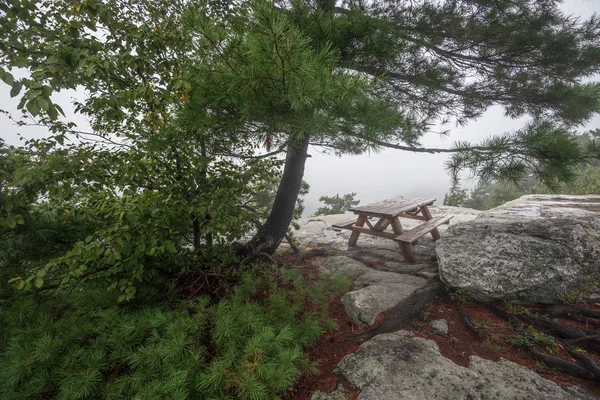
(392, 207)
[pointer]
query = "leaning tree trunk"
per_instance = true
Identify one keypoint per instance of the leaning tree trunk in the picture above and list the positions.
(270, 235)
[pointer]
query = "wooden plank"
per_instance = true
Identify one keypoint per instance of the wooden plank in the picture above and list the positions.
(411, 216)
(407, 252)
(435, 234)
(381, 224)
(422, 230)
(387, 235)
(345, 224)
(355, 234)
(397, 226)
(391, 210)
(381, 205)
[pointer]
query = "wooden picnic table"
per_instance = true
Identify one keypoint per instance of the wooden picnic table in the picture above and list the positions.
(388, 214)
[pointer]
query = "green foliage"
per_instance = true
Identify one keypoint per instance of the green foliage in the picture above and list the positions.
(456, 197)
(548, 342)
(481, 324)
(576, 295)
(460, 296)
(147, 208)
(336, 204)
(517, 309)
(490, 194)
(82, 345)
(521, 341)
(210, 82)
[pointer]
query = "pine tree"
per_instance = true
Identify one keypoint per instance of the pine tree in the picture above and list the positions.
(336, 204)
(349, 76)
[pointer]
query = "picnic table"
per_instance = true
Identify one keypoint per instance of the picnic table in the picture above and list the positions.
(379, 216)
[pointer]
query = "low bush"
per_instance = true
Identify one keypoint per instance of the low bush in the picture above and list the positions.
(82, 344)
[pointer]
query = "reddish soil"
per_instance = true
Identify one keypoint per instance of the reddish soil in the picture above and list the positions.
(461, 343)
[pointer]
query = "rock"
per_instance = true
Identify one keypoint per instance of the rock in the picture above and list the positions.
(401, 366)
(387, 278)
(531, 250)
(415, 269)
(428, 275)
(342, 264)
(340, 393)
(439, 327)
(386, 254)
(365, 304)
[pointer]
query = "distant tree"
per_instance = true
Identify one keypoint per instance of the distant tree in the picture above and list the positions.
(336, 204)
(457, 196)
(486, 195)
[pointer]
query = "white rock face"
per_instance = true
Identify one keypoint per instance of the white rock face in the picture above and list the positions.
(377, 292)
(532, 250)
(400, 366)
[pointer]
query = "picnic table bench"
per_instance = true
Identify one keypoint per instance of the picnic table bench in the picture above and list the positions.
(387, 214)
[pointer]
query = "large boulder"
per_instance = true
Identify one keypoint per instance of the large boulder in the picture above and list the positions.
(533, 250)
(399, 365)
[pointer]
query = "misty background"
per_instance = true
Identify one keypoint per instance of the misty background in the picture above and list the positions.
(373, 176)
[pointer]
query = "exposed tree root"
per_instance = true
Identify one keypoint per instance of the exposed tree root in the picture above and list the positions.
(469, 323)
(562, 364)
(586, 367)
(589, 362)
(560, 310)
(562, 331)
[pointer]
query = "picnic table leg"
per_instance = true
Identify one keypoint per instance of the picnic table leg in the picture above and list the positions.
(354, 236)
(435, 234)
(381, 224)
(407, 252)
(406, 248)
(397, 226)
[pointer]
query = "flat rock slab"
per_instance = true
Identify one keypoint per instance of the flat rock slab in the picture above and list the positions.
(410, 268)
(341, 265)
(387, 278)
(400, 365)
(378, 292)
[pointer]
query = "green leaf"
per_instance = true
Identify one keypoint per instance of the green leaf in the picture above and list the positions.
(38, 282)
(53, 113)
(7, 78)
(33, 108)
(43, 103)
(16, 89)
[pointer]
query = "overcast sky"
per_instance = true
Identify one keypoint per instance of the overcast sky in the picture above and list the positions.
(372, 176)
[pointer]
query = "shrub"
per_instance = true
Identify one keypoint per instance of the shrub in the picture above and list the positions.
(83, 345)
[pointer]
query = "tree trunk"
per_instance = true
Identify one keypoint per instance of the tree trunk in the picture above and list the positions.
(269, 236)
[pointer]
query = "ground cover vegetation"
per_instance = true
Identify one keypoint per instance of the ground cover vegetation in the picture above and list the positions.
(197, 111)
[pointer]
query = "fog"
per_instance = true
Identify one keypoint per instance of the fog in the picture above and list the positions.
(372, 176)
